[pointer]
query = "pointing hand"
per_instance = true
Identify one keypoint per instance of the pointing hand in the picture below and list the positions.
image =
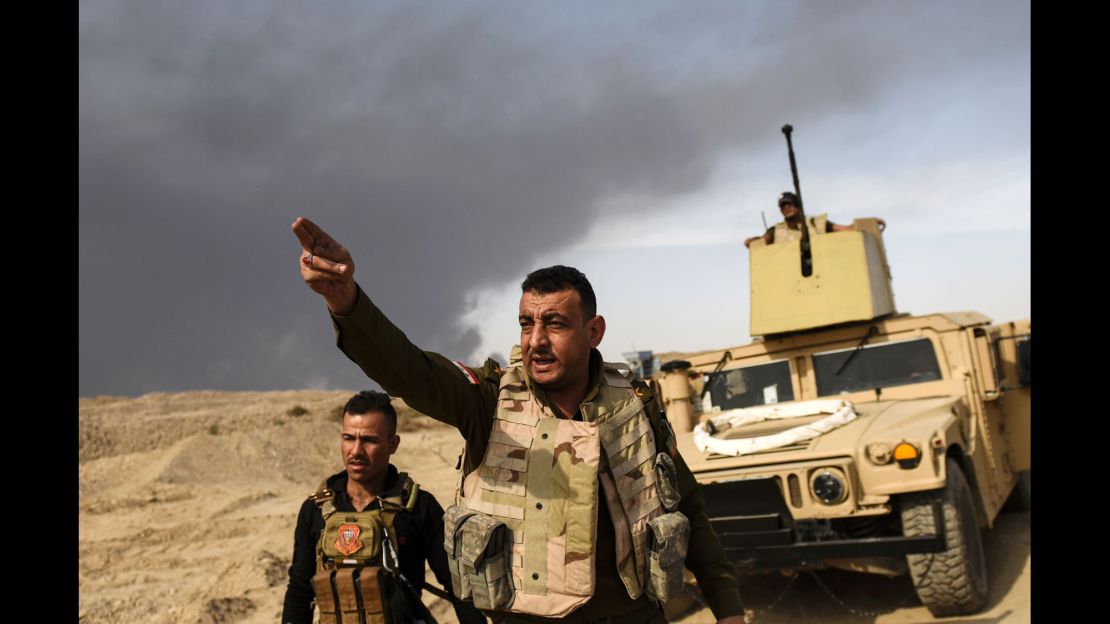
(326, 266)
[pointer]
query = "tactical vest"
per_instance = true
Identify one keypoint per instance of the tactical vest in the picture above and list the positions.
(816, 225)
(520, 537)
(356, 558)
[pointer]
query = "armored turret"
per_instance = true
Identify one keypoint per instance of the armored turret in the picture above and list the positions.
(850, 281)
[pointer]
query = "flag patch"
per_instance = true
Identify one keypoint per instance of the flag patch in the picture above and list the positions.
(470, 376)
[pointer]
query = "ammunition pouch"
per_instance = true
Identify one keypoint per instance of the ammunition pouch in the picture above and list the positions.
(352, 595)
(666, 482)
(478, 553)
(453, 518)
(668, 540)
(358, 578)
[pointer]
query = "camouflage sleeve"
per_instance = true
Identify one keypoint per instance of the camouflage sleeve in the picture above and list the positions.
(447, 391)
(705, 558)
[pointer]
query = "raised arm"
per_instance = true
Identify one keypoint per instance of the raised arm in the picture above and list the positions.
(427, 381)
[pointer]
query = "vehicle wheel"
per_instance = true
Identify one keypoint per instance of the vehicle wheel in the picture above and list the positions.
(953, 582)
(1019, 498)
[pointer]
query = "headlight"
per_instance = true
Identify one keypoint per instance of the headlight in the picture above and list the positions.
(829, 486)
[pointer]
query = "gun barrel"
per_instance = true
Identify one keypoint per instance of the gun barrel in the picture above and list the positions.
(807, 257)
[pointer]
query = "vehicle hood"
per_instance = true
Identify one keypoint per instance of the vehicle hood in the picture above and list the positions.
(886, 421)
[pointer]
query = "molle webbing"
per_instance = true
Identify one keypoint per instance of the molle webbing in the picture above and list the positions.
(629, 484)
(539, 477)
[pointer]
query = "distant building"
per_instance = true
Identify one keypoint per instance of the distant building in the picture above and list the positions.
(642, 363)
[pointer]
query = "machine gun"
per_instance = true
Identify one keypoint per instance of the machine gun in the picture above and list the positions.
(807, 254)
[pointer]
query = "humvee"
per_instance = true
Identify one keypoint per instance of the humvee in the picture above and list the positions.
(850, 435)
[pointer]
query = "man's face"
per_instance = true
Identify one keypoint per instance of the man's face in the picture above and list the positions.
(555, 338)
(789, 210)
(366, 443)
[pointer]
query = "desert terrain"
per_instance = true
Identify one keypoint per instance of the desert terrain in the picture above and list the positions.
(187, 503)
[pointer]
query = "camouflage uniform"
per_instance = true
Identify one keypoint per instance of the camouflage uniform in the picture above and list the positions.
(467, 398)
(781, 232)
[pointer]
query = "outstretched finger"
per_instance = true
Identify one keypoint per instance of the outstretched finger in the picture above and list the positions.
(311, 235)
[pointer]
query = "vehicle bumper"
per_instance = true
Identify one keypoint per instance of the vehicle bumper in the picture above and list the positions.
(756, 529)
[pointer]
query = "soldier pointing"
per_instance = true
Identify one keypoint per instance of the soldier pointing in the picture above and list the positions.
(575, 505)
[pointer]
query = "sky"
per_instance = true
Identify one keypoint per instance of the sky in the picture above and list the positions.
(454, 147)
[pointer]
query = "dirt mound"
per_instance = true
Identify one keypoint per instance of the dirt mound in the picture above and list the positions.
(111, 426)
(188, 500)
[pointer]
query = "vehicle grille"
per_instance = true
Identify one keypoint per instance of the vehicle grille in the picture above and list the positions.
(795, 490)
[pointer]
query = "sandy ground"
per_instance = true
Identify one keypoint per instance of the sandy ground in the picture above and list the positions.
(188, 503)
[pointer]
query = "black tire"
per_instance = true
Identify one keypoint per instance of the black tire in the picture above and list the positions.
(1019, 499)
(953, 582)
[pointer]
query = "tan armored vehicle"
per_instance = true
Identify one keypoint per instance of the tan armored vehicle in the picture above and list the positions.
(854, 436)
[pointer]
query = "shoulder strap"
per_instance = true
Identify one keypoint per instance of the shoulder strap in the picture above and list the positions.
(324, 498)
(405, 500)
(664, 434)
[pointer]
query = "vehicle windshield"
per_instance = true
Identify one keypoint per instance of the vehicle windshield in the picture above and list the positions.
(876, 366)
(762, 384)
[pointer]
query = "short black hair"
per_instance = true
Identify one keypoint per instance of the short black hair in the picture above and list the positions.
(555, 278)
(369, 401)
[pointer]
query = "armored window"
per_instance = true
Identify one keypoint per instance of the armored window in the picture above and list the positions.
(875, 366)
(761, 384)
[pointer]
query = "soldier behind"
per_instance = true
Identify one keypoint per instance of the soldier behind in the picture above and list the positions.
(576, 506)
(357, 525)
(790, 228)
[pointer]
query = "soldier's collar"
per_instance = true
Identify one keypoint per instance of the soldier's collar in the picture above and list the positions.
(596, 380)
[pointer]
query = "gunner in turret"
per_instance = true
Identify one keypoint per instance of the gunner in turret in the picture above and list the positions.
(790, 228)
